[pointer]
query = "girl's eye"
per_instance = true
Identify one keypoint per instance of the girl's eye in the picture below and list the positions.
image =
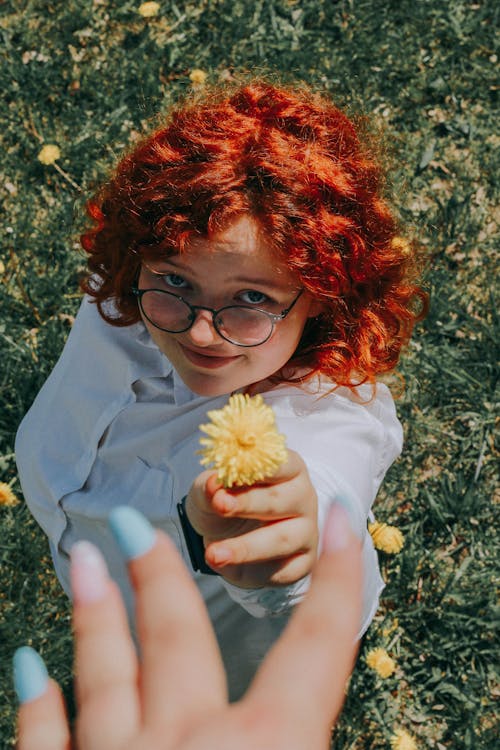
(252, 297)
(174, 280)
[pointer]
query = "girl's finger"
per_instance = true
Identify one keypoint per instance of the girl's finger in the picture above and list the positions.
(277, 573)
(183, 680)
(42, 723)
(286, 493)
(288, 471)
(316, 654)
(268, 542)
(105, 658)
(267, 502)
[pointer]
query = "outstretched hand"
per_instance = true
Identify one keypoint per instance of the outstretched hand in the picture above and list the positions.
(175, 698)
(262, 535)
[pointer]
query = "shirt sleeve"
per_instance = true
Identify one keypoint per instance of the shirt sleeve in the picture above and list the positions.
(348, 439)
(56, 442)
(58, 439)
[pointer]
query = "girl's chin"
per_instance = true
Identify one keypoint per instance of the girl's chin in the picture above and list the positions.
(209, 382)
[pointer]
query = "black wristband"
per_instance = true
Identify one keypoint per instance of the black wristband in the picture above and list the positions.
(194, 542)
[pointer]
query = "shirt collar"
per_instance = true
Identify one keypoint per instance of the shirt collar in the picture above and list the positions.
(182, 394)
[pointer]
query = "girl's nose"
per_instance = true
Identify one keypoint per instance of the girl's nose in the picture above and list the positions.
(202, 332)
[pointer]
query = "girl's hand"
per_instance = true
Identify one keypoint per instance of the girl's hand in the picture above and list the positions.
(175, 698)
(262, 535)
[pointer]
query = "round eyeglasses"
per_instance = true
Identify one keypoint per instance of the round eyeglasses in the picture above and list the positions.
(238, 324)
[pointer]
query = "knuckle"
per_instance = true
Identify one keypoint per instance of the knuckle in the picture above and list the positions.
(269, 501)
(284, 538)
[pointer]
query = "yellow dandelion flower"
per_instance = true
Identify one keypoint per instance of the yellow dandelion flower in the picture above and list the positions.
(148, 10)
(198, 77)
(386, 538)
(379, 660)
(401, 740)
(243, 443)
(401, 245)
(49, 154)
(7, 497)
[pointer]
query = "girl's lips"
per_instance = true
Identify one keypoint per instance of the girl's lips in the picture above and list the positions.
(210, 362)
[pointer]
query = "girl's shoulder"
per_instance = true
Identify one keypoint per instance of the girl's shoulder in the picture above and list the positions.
(321, 396)
(346, 435)
(121, 353)
(94, 375)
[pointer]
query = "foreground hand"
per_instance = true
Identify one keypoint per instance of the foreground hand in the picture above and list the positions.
(262, 535)
(176, 698)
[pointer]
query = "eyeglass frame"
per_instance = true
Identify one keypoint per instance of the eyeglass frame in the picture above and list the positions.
(273, 317)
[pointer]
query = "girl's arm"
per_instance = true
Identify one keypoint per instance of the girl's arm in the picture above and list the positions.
(264, 540)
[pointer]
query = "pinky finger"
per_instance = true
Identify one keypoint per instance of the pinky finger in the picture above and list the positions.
(42, 722)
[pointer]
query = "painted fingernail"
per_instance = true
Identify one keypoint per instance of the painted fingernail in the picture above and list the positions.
(89, 574)
(133, 533)
(30, 674)
(338, 531)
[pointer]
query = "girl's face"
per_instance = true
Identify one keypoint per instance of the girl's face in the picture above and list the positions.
(236, 267)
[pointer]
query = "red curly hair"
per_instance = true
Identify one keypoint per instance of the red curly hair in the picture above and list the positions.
(299, 166)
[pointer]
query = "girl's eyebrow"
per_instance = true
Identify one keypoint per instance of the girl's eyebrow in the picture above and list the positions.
(246, 280)
(257, 281)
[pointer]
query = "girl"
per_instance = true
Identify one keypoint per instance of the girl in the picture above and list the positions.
(245, 246)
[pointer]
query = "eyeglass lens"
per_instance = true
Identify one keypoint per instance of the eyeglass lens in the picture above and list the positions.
(238, 324)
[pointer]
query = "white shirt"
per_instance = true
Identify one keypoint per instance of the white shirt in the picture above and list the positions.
(115, 425)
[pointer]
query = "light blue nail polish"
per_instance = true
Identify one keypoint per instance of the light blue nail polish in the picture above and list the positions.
(133, 533)
(30, 674)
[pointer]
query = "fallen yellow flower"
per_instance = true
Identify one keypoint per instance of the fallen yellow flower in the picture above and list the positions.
(49, 154)
(148, 10)
(386, 538)
(7, 497)
(401, 740)
(379, 660)
(198, 77)
(243, 444)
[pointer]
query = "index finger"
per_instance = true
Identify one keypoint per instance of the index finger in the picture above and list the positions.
(286, 493)
(309, 666)
(289, 469)
(106, 665)
(183, 679)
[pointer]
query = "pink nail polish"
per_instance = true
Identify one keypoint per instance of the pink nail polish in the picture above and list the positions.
(89, 574)
(338, 532)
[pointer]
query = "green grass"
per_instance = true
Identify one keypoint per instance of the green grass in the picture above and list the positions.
(87, 76)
